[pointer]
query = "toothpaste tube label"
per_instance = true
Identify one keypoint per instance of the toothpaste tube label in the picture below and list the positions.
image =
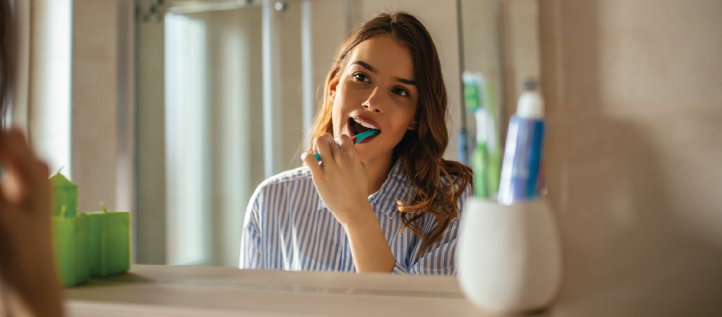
(522, 157)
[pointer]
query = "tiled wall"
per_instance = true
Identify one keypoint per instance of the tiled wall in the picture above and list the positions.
(634, 152)
(101, 83)
(94, 99)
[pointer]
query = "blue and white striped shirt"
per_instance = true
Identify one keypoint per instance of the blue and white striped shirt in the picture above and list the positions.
(287, 227)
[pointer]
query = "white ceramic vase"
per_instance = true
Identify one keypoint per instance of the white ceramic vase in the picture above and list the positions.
(508, 257)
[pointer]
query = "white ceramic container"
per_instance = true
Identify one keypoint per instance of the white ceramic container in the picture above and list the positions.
(508, 257)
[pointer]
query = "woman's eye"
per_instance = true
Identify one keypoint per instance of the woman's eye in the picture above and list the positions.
(401, 92)
(361, 77)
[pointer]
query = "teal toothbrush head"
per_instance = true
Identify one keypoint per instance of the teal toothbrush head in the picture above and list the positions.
(358, 138)
(363, 135)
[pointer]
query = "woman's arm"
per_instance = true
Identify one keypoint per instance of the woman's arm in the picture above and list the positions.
(342, 183)
(440, 257)
(369, 248)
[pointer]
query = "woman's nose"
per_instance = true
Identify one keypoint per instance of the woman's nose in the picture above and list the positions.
(374, 101)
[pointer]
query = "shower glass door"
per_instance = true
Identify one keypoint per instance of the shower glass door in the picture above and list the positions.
(226, 93)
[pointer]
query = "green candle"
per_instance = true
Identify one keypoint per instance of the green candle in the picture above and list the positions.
(71, 246)
(64, 193)
(109, 242)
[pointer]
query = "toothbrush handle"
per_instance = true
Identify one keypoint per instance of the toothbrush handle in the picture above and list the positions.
(318, 156)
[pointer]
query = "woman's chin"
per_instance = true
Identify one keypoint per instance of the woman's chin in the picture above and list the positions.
(373, 158)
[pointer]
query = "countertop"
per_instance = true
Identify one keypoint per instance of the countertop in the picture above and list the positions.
(160, 290)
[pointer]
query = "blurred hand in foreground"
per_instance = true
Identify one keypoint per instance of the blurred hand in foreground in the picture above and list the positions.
(26, 250)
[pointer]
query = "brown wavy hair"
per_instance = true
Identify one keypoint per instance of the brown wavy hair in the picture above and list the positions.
(421, 149)
(6, 56)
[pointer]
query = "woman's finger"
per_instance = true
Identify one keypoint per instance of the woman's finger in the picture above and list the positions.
(25, 174)
(15, 151)
(4, 207)
(346, 144)
(16, 161)
(323, 143)
(312, 163)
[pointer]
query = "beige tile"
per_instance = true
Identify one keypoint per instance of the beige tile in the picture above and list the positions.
(94, 102)
(633, 147)
(636, 207)
(610, 55)
(666, 58)
(95, 28)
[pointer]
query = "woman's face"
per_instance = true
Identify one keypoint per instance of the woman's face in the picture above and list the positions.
(376, 89)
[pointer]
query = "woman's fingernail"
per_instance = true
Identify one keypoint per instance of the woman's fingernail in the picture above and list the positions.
(303, 155)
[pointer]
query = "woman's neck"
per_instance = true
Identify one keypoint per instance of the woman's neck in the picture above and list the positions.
(377, 171)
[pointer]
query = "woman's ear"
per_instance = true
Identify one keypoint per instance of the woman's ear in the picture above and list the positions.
(413, 124)
(332, 85)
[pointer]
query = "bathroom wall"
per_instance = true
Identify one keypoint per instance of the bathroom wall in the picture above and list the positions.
(520, 59)
(94, 102)
(101, 90)
(634, 153)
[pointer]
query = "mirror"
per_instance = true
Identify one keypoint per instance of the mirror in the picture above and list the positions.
(227, 90)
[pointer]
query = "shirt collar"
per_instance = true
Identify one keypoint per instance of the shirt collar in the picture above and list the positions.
(395, 187)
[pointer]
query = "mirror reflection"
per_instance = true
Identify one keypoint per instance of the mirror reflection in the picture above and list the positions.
(244, 87)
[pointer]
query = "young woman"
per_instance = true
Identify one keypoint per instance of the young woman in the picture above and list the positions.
(388, 204)
(28, 280)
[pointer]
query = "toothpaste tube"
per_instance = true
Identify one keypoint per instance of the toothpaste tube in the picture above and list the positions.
(522, 156)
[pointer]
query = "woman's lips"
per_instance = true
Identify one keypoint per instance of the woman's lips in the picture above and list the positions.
(367, 121)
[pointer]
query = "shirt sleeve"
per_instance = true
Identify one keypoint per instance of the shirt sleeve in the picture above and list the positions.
(440, 257)
(251, 238)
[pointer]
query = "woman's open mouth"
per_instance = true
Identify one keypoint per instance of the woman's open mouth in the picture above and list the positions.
(357, 125)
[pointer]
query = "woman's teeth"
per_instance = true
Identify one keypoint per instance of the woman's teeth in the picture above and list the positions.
(364, 124)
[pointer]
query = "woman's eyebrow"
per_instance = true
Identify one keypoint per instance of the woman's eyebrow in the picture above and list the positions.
(404, 81)
(367, 66)
(375, 71)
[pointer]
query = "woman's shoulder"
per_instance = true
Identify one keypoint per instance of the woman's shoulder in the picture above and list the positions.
(299, 174)
(278, 185)
(456, 177)
(275, 190)
(460, 176)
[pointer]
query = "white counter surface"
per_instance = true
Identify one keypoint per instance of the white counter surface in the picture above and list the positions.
(159, 290)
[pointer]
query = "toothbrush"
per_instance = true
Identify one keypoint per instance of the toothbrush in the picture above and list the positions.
(475, 103)
(358, 138)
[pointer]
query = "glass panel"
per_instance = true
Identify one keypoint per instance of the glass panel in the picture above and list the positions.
(50, 79)
(186, 123)
(213, 135)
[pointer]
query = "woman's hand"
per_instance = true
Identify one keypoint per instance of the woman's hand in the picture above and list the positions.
(342, 183)
(340, 178)
(26, 251)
